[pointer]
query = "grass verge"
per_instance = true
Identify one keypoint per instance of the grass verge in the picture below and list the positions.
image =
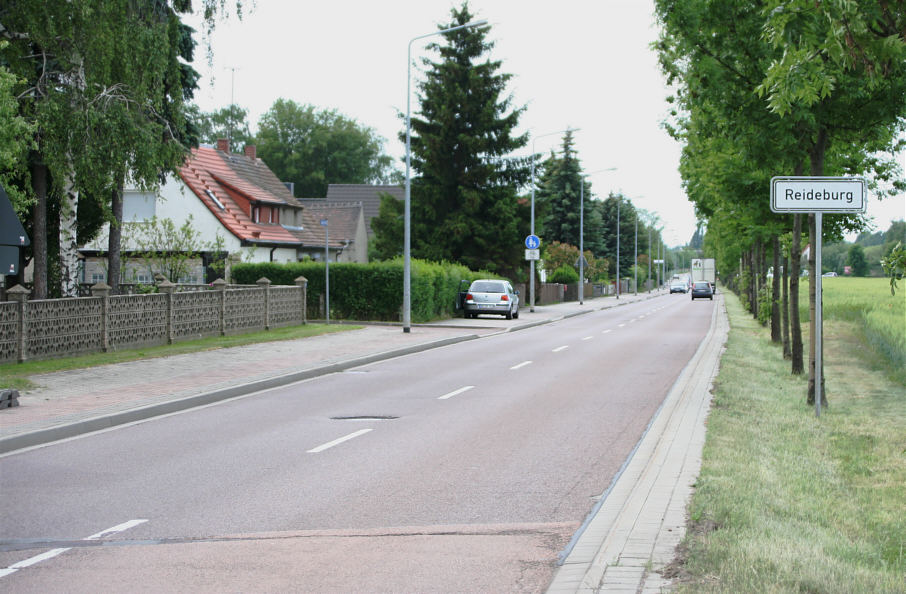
(786, 502)
(16, 375)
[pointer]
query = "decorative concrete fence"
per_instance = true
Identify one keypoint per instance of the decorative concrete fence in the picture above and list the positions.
(44, 329)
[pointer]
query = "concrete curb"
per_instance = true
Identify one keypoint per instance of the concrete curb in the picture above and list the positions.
(99, 423)
(634, 528)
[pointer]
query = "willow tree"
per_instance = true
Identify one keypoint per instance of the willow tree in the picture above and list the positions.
(102, 84)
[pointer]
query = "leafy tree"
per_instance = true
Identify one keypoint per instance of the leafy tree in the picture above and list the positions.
(855, 257)
(314, 147)
(388, 228)
(557, 255)
(229, 122)
(103, 85)
(894, 265)
(464, 203)
(168, 249)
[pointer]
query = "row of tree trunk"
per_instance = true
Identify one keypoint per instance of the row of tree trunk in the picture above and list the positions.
(784, 316)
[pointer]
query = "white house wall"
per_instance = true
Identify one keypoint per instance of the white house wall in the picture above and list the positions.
(176, 202)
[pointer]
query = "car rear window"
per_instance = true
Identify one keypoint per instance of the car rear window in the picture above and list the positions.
(487, 287)
(702, 285)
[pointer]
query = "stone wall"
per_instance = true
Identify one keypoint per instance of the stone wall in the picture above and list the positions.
(49, 328)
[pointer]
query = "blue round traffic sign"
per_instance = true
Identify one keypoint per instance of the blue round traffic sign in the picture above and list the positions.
(532, 242)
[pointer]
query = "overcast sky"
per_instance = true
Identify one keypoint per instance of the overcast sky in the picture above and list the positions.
(578, 64)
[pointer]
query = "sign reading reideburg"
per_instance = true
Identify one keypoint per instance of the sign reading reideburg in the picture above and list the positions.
(813, 194)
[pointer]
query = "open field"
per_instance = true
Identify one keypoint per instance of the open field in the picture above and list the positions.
(787, 502)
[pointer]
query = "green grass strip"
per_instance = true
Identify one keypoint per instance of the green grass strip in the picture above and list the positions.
(787, 502)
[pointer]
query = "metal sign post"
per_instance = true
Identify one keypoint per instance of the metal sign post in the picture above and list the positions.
(326, 270)
(818, 195)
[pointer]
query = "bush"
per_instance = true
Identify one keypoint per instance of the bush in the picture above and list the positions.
(564, 275)
(371, 291)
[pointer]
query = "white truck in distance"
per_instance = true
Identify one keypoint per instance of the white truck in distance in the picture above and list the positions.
(703, 270)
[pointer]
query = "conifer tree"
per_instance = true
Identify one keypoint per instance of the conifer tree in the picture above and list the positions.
(464, 205)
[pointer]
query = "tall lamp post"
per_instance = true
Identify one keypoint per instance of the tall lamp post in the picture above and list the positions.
(532, 262)
(407, 265)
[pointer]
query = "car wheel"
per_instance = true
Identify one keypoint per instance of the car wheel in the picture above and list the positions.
(516, 314)
(509, 314)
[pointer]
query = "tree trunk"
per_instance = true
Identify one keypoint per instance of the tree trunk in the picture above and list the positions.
(114, 239)
(775, 291)
(69, 248)
(797, 364)
(39, 230)
(816, 156)
(785, 307)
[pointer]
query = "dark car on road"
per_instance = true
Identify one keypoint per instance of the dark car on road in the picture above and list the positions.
(491, 296)
(702, 289)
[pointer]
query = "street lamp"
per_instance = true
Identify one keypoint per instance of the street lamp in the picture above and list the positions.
(407, 265)
(532, 262)
(582, 231)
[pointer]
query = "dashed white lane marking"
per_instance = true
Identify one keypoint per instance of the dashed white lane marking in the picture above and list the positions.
(621, 325)
(118, 528)
(336, 442)
(54, 552)
(521, 365)
(560, 348)
(606, 331)
(587, 337)
(455, 392)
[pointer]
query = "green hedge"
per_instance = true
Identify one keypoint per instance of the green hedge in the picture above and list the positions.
(369, 292)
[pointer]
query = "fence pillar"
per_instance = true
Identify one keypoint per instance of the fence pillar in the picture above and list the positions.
(168, 289)
(265, 284)
(221, 285)
(103, 290)
(302, 282)
(20, 294)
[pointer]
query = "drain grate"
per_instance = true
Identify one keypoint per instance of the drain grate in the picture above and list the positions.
(365, 418)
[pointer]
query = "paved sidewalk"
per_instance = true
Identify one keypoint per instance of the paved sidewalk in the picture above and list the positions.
(629, 536)
(634, 531)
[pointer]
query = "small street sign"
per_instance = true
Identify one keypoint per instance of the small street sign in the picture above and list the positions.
(533, 254)
(532, 242)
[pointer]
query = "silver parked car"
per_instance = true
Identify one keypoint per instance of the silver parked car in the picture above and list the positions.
(491, 296)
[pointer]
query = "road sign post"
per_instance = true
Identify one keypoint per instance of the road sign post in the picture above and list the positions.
(818, 195)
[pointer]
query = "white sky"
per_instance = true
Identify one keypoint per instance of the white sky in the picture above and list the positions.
(576, 63)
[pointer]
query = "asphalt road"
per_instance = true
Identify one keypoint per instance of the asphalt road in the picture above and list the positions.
(462, 468)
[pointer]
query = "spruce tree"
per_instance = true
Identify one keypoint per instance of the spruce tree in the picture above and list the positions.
(464, 205)
(559, 195)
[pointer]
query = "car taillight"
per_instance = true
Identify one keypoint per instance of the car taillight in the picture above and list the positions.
(504, 298)
(469, 296)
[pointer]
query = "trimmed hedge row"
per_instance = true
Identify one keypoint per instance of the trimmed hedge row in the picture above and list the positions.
(371, 291)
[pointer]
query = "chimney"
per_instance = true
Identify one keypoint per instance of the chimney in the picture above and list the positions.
(223, 144)
(250, 151)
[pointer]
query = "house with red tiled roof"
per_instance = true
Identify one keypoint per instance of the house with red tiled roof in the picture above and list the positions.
(237, 205)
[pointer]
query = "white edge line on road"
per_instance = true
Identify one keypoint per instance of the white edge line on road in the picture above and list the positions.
(330, 444)
(54, 552)
(560, 348)
(455, 392)
(523, 364)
